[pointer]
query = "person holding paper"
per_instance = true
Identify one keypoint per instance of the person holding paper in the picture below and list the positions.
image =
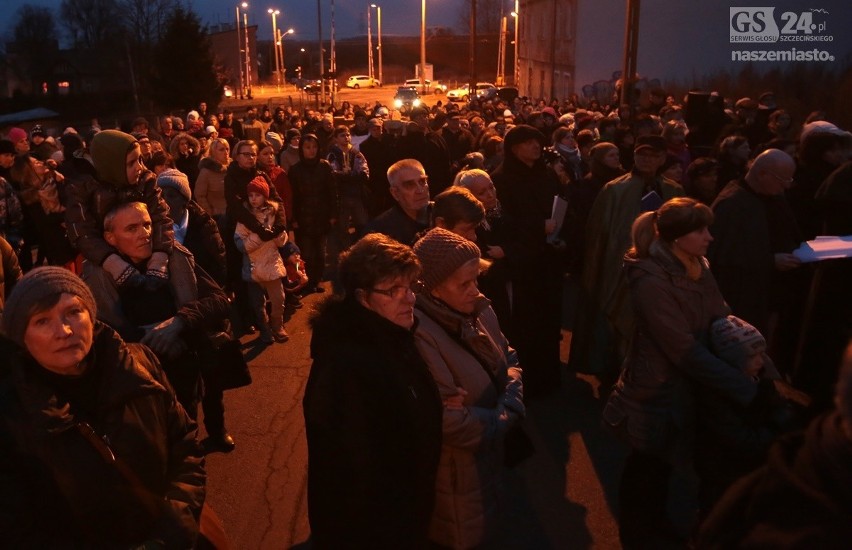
(752, 258)
(604, 322)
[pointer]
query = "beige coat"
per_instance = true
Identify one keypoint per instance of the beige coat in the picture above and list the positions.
(210, 187)
(469, 473)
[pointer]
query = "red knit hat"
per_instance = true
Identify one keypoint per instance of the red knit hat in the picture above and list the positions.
(258, 185)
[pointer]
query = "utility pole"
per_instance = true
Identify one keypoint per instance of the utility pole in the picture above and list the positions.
(239, 52)
(631, 49)
(369, 45)
(321, 53)
(472, 83)
(333, 64)
(248, 58)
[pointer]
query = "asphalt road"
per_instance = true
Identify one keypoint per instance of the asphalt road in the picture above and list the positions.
(559, 498)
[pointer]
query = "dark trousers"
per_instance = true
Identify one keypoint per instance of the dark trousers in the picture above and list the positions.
(312, 246)
(643, 496)
(212, 401)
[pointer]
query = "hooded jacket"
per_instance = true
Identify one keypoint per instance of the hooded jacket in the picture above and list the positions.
(90, 199)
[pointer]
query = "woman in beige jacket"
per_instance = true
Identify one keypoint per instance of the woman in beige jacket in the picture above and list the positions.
(210, 186)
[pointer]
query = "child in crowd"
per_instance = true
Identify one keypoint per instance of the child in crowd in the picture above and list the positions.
(297, 277)
(266, 268)
(732, 439)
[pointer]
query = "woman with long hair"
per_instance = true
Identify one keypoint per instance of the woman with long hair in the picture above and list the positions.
(675, 299)
(210, 185)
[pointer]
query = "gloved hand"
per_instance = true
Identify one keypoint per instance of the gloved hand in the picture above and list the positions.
(124, 274)
(154, 283)
(278, 228)
(265, 234)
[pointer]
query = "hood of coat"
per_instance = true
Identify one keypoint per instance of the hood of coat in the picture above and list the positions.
(175, 144)
(661, 262)
(109, 151)
(210, 164)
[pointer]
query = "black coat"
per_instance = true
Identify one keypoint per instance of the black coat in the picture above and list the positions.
(314, 196)
(373, 422)
(205, 242)
(57, 491)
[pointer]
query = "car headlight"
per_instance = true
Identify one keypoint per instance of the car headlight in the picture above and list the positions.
(416, 103)
(397, 103)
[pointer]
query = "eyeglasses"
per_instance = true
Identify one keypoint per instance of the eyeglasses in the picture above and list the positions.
(785, 181)
(252, 155)
(398, 292)
(411, 185)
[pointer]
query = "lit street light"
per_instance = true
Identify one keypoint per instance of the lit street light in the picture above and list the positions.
(275, 13)
(422, 44)
(516, 15)
(279, 43)
(248, 58)
(239, 52)
(379, 47)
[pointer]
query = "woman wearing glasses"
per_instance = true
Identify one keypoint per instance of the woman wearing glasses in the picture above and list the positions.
(479, 379)
(372, 411)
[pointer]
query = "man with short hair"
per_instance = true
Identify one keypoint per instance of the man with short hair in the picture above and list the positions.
(380, 151)
(459, 141)
(175, 321)
(351, 174)
(412, 212)
(755, 233)
(428, 147)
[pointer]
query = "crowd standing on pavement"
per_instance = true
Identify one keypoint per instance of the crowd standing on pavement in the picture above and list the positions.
(461, 246)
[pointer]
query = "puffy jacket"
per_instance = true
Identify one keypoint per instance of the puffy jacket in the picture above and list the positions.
(57, 491)
(210, 186)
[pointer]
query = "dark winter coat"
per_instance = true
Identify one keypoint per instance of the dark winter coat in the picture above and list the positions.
(57, 491)
(801, 499)
(373, 424)
(432, 152)
(89, 200)
(398, 225)
(204, 241)
(748, 229)
(314, 198)
(653, 405)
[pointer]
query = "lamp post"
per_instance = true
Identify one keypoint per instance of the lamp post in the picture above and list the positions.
(279, 43)
(369, 46)
(422, 43)
(239, 52)
(321, 53)
(274, 13)
(248, 57)
(517, 16)
(379, 47)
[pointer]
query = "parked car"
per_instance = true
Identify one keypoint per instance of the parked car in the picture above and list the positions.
(406, 98)
(483, 90)
(362, 81)
(312, 86)
(432, 86)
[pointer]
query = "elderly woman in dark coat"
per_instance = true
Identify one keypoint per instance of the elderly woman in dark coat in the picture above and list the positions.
(372, 412)
(675, 299)
(95, 451)
(478, 375)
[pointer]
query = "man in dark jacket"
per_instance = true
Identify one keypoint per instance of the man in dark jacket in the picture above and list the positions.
(412, 212)
(174, 321)
(380, 151)
(429, 148)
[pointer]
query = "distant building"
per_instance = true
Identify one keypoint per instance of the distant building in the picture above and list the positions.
(547, 48)
(229, 53)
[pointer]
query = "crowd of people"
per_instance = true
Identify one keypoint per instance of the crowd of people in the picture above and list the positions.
(459, 247)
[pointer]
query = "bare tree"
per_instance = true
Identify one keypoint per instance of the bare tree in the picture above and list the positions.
(92, 23)
(35, 43)
(146, 19)
(487, 15)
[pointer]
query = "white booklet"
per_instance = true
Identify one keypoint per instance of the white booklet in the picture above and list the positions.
(824, 248)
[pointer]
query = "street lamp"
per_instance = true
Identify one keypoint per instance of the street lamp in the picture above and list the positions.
(369, 46)
(279, 43)
(239, 52)
(379, 47)
(422, 44)
(516, 15)
(248, 58)
(274, 14)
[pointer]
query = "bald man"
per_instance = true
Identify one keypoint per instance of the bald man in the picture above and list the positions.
(755, 234)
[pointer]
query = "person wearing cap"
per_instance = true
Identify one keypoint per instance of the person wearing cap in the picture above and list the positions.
(651, 408)
(290, 151)
(121, 177)
(380, 151)
(360, 130)
(40, 146)
(459, 141)
(20, 141)
(480, 382)
(429, 148)
(372, 410)
(701, 178)
(526, 186)
(96, 450)
(604, 324)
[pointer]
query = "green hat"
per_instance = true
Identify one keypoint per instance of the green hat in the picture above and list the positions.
(109, 155)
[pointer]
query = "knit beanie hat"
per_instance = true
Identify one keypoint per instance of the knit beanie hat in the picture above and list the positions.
(734, 340)
(176, 179)
(36, 285)
(109, 150)
(16, 134)
(274, 139)
(37, 130)
(441, 253)
(258, 185)
(292, 133)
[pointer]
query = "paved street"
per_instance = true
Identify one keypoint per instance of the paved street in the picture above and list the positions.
(560, 498)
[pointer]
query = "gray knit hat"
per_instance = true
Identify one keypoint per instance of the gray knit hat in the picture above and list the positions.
(35, 286)
(175, 179)
(441, 253)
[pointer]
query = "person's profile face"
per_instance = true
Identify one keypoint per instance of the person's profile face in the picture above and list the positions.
(133, 164)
